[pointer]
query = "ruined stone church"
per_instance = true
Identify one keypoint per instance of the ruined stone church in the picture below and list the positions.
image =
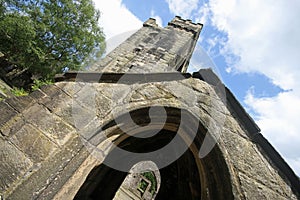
(138, 126)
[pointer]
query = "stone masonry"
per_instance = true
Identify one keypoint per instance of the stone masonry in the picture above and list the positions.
(154, 49)
(43, 149)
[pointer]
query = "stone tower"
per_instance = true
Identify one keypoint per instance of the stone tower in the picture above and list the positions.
(81, 137)
(154, 49)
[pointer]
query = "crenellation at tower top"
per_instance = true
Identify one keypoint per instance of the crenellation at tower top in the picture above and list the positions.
(151, 22)
(186, 24)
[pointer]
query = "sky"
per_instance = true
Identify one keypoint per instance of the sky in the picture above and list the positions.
(254, 45)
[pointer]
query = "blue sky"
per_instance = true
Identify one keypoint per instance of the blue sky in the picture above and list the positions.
(254, 45)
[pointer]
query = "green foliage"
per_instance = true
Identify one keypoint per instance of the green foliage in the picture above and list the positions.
(17, 38)
(39, 83)
(47, 36)
(19, 92)
(143, 185)
(151, 177)
(2, 7)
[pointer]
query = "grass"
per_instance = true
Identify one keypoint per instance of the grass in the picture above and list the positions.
(36, 85)
(19, 92)
(39, 83)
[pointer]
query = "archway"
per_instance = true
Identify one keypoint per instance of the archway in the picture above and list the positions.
(188, 177)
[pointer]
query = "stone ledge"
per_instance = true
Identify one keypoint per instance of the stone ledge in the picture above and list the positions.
(129, 78)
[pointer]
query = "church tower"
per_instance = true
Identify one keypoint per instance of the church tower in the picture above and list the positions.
(154, 49)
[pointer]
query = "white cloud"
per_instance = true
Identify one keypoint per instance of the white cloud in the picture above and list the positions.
(263, 37)
(183, 8)
(203, 14)
(116, 18)
(158, 18)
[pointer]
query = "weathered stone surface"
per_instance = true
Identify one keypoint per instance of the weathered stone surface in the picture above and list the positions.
(242, 153)
(49, 170)
(68, 171)
(257, 190)
(248, 160)
(153, 49)
(70, 88)
(33, 143)
(5, 90)
(239, 151)
(7, 112)
(50, 124)
(20, 103)
(103, 104)
(37, 94)
(13, 165)
(13, 125)
(55, 98)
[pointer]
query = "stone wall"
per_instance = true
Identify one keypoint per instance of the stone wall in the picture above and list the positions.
(42, 139)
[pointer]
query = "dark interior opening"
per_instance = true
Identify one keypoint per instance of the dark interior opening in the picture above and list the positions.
(179, 180)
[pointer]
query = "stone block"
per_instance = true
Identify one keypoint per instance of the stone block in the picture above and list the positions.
(59, 103)
(151, 91)
(51, 90)
(13, 125)
(13, 164)
(182, 92)
(37, 94)
(33, 143)
(70, 88)
(50, 124)
(103, 105)
(20, 103)
(7, 112)
(80, 115)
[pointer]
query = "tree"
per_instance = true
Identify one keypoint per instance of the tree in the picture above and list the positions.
(48, 36)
